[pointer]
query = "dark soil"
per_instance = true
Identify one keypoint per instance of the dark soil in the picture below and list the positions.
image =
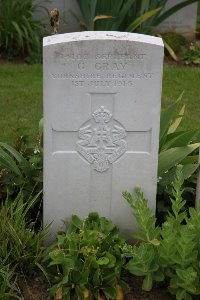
(38, 288)
(16, 60)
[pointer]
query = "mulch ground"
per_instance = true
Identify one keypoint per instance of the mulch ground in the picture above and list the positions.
(38, 289)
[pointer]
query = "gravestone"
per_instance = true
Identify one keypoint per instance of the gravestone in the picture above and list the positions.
(102, 95)
(183, 21)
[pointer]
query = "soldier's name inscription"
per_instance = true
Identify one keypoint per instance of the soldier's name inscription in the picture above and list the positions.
(110, 69)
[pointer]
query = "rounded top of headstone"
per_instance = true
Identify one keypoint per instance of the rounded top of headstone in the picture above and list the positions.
(101, 35)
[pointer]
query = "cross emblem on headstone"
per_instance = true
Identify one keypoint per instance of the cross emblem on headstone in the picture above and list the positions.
(65, 141)
(95, 144)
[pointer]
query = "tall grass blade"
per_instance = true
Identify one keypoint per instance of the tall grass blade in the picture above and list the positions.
(171, 157)
(23, 163)
(167, 115)
(136, 23)
(7, 162)
(178, 120)
(179, 139)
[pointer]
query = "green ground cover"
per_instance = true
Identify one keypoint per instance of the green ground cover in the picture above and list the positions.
(21, 97)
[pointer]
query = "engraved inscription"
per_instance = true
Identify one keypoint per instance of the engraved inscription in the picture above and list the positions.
(111, 70)
(103, 79)
(101, 140)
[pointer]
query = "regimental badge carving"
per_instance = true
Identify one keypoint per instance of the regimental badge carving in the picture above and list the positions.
(102, 140)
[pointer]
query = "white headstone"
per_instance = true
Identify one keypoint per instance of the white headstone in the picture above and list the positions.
(102, 96)
(183, 21)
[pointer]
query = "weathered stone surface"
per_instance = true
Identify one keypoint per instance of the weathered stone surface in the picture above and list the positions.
(183, 21)
(102, 93)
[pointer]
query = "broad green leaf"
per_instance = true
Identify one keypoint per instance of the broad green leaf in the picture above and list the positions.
(110, 292)
(76, 221)
(112, 260)
(121, 9)
(188, 170)
(192, 159)
(147, 283)
(136, 23)
(167, 116)
(169, 158)
(158, 276)
(23, 163)
(7, 162)
(103, 261)
(179, 139)
(178, 120)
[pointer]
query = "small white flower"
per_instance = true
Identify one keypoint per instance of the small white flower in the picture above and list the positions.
(36, 150)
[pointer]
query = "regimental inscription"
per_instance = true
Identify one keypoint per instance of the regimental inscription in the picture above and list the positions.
(102, 140)
(110, 70)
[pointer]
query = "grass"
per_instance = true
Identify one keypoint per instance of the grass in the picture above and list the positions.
(176, 80)
(21, 97)
(20, 100)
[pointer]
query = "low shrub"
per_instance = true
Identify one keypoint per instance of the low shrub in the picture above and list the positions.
(86, 260)
(21, 243)
(191, 55)
(126, 15)
(20, 35)
(21, 168)
(21, 248)
(170, 252)
(175, 40)
(176, 146)
(8, 285)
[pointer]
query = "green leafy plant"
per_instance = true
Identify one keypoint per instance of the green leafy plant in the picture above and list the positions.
(174, 144)
(129, 15)
(22, 247)
(110, 15)
(191, 55)
(19, 33)
(8, 285)
(20, 242)
(87, 260)
(175, 40)
(170, 252)
(21, 167)
(175, 147)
